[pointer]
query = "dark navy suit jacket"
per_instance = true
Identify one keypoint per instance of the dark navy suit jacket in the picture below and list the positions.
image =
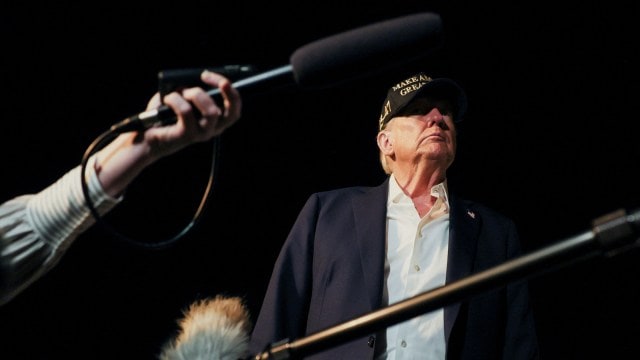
(331, 270)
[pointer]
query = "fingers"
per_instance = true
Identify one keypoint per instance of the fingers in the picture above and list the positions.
(198, 112)
(231, 97)
(154, 102)
(210, 117)
(198, 116)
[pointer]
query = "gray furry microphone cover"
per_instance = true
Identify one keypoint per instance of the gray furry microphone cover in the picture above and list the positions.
(213, 328)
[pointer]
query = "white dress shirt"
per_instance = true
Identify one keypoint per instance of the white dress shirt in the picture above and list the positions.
(416, 262)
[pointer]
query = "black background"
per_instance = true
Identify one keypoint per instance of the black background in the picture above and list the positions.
(550, 140)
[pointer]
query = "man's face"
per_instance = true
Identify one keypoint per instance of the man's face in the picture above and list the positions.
(424, 131)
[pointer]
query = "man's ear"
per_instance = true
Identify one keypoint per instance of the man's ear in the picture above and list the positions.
(384, 142)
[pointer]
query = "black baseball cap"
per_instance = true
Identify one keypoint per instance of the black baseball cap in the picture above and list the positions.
(401, 94)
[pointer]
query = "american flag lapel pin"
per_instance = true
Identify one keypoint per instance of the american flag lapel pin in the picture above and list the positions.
(471, 214)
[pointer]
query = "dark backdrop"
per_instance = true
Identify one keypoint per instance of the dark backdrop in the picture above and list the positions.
(550, 140)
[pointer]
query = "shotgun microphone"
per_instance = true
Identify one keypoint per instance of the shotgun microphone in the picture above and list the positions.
(334, 59)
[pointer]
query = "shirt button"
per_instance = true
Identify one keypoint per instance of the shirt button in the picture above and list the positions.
(417, 267)
(403, 344)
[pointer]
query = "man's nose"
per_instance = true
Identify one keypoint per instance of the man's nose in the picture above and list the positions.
(435, 117)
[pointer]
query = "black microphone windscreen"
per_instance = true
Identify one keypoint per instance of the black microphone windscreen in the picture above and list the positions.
(368, 49)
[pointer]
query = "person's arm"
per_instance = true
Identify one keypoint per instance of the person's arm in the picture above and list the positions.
(36, 230)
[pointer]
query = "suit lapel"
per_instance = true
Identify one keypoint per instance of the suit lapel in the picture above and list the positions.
(369, 213)
(465, 225)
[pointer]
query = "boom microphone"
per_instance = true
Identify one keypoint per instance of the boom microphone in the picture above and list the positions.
(335, 59)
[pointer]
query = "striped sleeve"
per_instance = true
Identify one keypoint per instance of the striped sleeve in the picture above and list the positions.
(37, 229)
